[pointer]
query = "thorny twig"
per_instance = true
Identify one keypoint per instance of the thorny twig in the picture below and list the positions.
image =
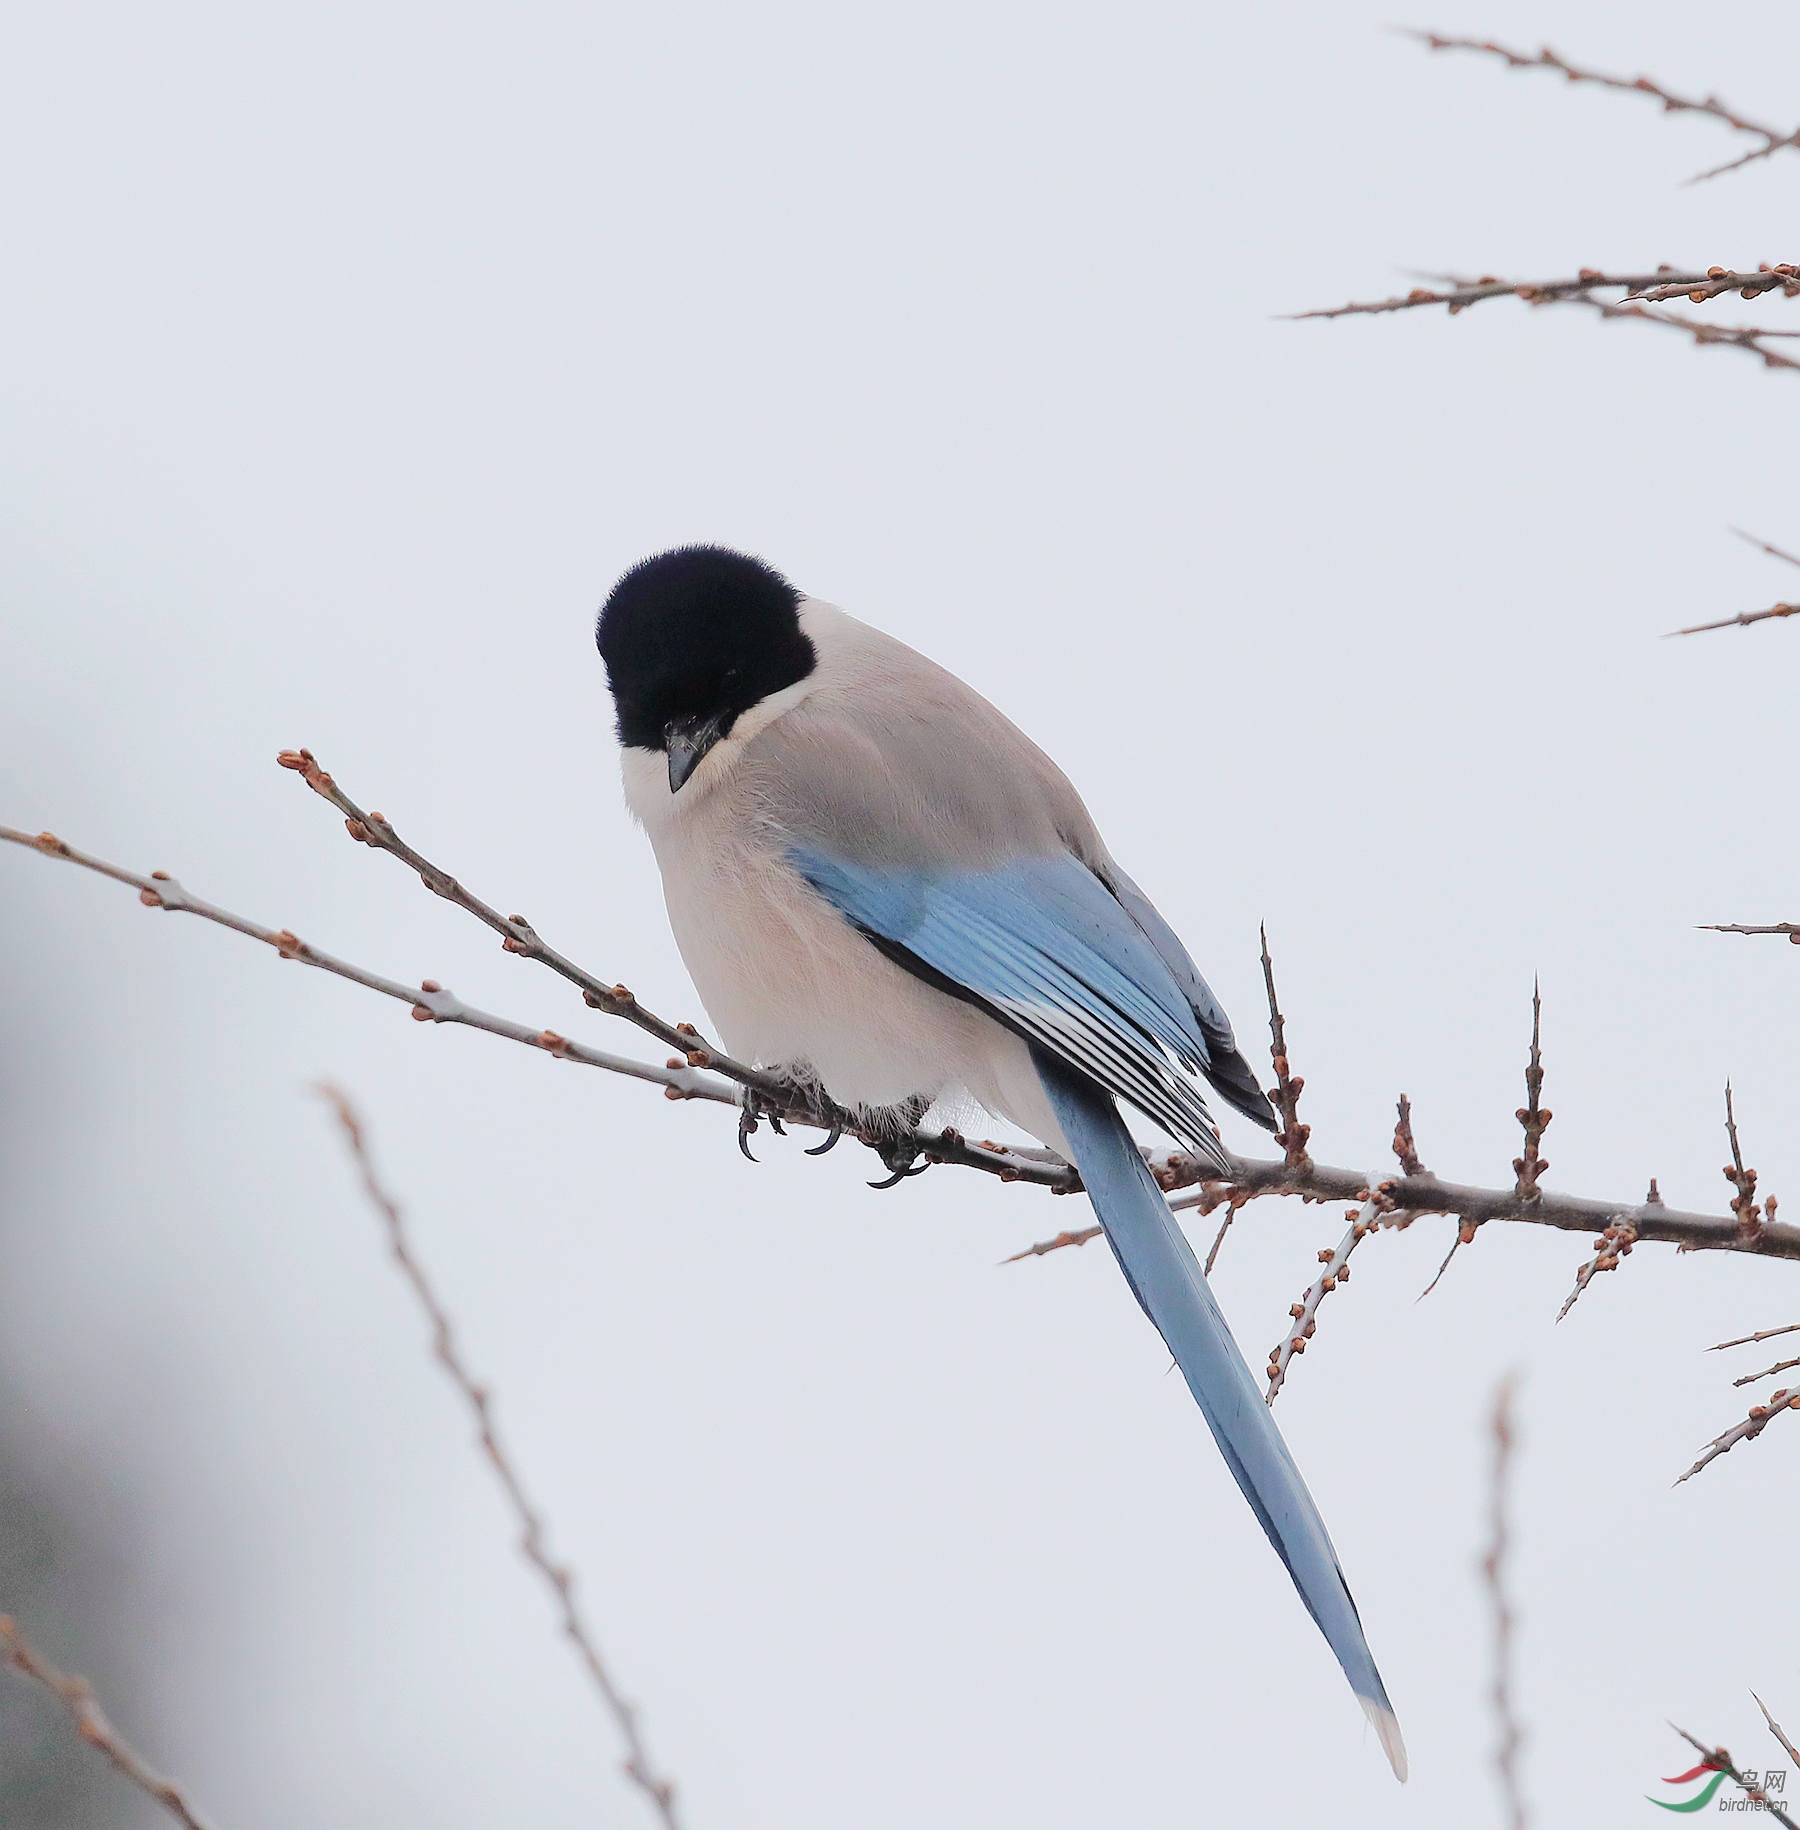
(1614, 1244)
(1458, 295)
(1751, 1216)
(1789, 928)
(1768, 1372)
(77, 1697)
(1787, 1399)
(1493, 1569)
(558, 1576)
(1750, 1340)
(1405, 1147)
(1742, 620)
(1720, 1761)
(1293, 1135)
(1532, 1116)
(1787, 1747)
(1711, 106)
(1249, 1178)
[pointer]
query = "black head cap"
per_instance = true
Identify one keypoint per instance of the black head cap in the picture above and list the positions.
(694, 638)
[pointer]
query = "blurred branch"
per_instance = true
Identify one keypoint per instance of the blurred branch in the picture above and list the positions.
(1774, 552)
(1250, 1178)
(1493, 1568)
(1546, 59)
(77, 1696)
(1720, 1762)
(1458, 295)
(558, 1576)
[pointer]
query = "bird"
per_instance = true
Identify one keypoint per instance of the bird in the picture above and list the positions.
(884, 891)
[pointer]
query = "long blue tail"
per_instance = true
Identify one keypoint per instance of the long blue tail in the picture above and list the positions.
(1159, 1265)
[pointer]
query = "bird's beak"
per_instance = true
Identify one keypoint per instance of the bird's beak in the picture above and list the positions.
(687, 740)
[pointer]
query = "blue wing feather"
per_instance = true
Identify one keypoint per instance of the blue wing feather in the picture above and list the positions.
(1044, 945)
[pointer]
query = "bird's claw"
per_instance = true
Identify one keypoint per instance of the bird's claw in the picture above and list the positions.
(746, 1125)
(837, 1131)
(902, 1171)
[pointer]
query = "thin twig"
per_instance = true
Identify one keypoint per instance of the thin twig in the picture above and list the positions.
(77, 1697)
(1720, 1761)
(533, 1544)
(1493, 1569)
(1774, 552)
(1288, 1086)
(1751, 1217)
(1768, 1372)
(1406, 1148)
(1363, 1221)
(1750, 1340)
(1742, 620)
(1532, 1116)
(1546, 59)
(1787, 1747)
(1614, 1244)
(1787, 1399)
(1458, 295)
(1789, 928)
(1248, 1178)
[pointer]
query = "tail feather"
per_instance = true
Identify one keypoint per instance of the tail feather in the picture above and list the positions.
(1161, 1268)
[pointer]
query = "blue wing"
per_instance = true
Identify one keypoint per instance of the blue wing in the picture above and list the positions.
(1044, 946)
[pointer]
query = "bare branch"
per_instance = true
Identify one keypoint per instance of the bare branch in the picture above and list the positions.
(1457, 295)
(77, 1697)
(1751, 1217)
(1363, 1221)
(1532, 1116)
(1405, 1149)
(1783, 276)
(1293, 1135)
(1787, 1747)
(1789, 928)
(1493, 1568)
(1750, 1340)
(1742, 620)
(1249, 1178)
(799, 1104)
(1720, 1761)
(1774, 552)
(1546, 59)
(1079, 1237)
(1613, 1245)
(1785, 1400)
(558, 1577)
(1768, 1372)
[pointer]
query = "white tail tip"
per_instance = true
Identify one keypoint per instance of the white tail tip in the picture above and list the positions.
(1387, 1730)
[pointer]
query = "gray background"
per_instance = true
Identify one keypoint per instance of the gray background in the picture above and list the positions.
(348, 354)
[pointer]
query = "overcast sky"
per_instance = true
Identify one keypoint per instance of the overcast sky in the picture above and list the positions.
(349, 354)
